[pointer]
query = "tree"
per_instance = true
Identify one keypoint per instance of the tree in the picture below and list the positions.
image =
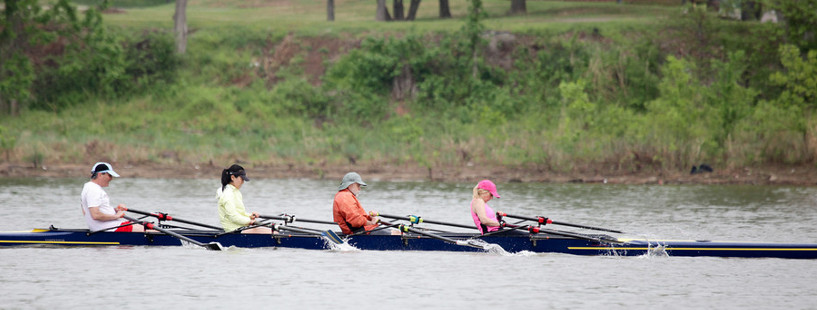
(799, 86)
(750, 10)
(473, 29)
(7, 142)
(382, 13)
(22, 26)
(180, 26)
(413, 7)
(798, 79)
(800, 21)
(445, 9)
(518, 7)
(330, 10)
(398, 9)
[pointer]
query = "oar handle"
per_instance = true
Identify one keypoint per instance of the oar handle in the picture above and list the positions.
(539, 219)
(544, 221)
(166, 217)
(510, 228)
(417, 219)
(292, 218)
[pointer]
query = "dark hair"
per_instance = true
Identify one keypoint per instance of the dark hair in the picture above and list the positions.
(235, 170)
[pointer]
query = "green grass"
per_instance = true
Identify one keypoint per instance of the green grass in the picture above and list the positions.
(308, 17)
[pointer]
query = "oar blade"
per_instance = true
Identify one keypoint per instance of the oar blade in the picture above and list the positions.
(332, 236)
(213, 246)
(472, 243)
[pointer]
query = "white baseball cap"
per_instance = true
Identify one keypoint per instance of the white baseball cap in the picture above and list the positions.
(101, 167)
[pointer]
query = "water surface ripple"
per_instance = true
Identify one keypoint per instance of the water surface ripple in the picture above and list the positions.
(190, 277)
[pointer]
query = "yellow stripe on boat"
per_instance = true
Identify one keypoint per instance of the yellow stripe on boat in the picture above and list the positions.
(681, 240)
(59, 242)
(693, 249)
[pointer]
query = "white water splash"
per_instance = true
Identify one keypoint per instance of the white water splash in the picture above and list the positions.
(659, 250)
(525, 254)
(496, 249)
(656, 250)
(343, 247)
(491, 248)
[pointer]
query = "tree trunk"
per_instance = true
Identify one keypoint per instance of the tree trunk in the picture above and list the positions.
(403, 86)
(330, 10)
(14, 109)
(445, 9)
(747, 10)
(398, 9)
(180, 26)
(518, 7)
(382, 14)
(713, 5)
(413, 7)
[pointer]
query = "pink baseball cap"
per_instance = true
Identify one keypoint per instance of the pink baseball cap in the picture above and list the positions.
(488, 186)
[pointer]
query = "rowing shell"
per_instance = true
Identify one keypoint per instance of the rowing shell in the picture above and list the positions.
(539, 243)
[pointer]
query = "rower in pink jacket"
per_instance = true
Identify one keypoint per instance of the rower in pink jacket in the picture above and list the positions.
(484, 216)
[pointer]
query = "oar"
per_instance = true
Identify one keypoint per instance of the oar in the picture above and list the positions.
(148, 225)
(291, 218)
(405, 228)
(535, 230)
(544, 221)
(503, 230)
(328, 234)
(165, 217)
(417, 219)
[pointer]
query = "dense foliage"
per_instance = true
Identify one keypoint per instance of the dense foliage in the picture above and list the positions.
(697, 89)
(54, 58)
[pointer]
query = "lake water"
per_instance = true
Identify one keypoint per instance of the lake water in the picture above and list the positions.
(190, 277)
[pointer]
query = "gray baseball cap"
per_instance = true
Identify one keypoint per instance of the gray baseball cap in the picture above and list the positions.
(349, 179)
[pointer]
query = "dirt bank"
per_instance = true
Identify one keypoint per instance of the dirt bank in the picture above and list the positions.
(767, 175)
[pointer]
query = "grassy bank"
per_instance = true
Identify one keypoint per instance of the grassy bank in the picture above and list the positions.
(567, 87)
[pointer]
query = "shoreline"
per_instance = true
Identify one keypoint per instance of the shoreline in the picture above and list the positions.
(768, 175)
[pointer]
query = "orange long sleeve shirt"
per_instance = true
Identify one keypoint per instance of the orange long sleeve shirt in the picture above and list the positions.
(347, 211)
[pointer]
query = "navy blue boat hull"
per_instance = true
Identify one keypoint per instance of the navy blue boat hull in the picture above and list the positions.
(511, 243)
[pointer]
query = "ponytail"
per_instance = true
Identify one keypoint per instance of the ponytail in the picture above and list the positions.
(225, 178)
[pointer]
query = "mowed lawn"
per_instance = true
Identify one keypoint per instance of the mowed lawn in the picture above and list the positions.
(308, 17)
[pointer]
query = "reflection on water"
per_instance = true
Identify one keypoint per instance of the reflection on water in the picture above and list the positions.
(187, 277)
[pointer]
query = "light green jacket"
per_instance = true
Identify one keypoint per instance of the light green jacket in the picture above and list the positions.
(231, 209)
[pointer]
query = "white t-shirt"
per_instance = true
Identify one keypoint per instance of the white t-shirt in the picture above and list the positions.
(94, 196)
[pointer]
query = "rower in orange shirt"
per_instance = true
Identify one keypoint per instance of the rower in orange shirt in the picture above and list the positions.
(349, 214)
